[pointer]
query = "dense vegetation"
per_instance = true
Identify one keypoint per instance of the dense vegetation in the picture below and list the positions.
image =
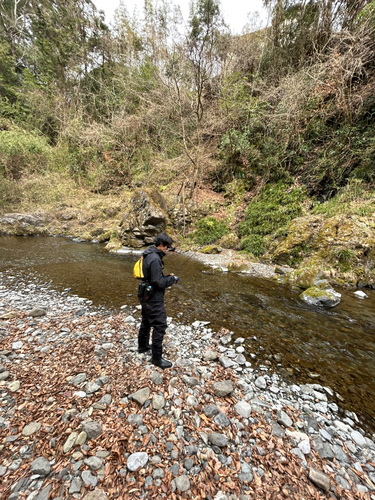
(287, 112)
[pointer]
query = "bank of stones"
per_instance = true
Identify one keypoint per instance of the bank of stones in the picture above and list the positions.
(142, 433)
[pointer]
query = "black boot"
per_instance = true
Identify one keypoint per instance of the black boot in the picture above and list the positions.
(161, 363)
(142, 350)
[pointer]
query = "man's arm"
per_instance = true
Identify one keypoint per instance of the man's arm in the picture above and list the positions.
(156, 276)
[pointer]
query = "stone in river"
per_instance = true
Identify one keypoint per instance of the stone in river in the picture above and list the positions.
(223, 388)
(40, 466)
(141, 396)
(92, 429)
(316, 296)
(320, 479)
(218, 439)
(261, 383)
(137, 460)
(243, 409)
(31, 428)
(182, 483)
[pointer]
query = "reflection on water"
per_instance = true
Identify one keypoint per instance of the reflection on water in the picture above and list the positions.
(338, 344)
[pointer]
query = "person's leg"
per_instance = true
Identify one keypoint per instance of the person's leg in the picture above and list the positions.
(158, 320)
(144, 332)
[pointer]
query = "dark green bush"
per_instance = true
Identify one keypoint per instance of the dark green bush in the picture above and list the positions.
(253, 244)
(209, 230)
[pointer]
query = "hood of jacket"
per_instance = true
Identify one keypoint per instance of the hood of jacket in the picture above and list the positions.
(153, 249)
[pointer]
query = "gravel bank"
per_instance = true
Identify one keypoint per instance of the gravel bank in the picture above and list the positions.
(83, 415)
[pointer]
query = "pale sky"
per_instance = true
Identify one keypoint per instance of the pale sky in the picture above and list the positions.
(235, 12)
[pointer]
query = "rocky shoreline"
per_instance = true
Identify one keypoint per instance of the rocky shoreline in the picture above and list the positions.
(83, 415)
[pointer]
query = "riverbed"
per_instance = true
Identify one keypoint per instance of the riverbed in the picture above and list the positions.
(334, 347)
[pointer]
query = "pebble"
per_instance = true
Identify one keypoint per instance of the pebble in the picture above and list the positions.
(182, 483)
(223, 388)
(136, 460)
(40, 466)
(31, 429)
(141, 396)
(89, 479)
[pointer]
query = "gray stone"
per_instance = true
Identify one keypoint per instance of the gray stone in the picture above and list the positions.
(189, 464)
(78, 379)
(217, 439)
(135, 418)
(141, 396)
(320, 479)
(342, 482)
(92, 387)
(261, 383)
(221, 419)
(105, 400)
(158, 402)
(246, 474)
(284, 419)
(92, 429)
(223, 388)
(70, 442)
(192, 401)
(93, 462)
(158, 473)
(226, 362)
(31, 428)
(157, 378)
(277, 430)
(4, 375)
(81, 438)
(358, 439)
(182, 483)
(40, 466)
(76, 485)
(315, 296)
(37, 312)
(137, 460)
(17, 345)
(243, 409)
(89, 479)
(323, 449)
(210, 355)
(339, 453)
(97, 494)
(304, 446)
(14, 386)
(211, 410)
(2, 470)
(190, 381)
(43, 495)
(240, 359)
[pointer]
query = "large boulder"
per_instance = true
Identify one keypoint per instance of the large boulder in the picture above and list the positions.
(146, 218)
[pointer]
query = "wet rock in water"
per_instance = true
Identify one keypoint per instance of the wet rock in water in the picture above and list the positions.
(40, 466)
(136, 460)
(316, 296)
(141, 396)
(223, 388)
(217, 439)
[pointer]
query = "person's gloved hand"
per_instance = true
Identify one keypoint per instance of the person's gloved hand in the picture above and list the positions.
(175, 279)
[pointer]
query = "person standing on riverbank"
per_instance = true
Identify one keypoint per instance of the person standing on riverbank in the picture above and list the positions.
(153, 310)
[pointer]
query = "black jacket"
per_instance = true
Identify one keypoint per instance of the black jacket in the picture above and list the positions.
(153, 273)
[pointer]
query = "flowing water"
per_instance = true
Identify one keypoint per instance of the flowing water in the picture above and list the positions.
(333, 347)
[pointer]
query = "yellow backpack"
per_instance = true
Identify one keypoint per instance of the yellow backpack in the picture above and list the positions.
(138, 269)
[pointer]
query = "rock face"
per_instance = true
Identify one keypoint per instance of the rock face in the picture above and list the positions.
(23, 224)
(147, 217)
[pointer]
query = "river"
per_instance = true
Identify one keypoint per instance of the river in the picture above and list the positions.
(333, 347)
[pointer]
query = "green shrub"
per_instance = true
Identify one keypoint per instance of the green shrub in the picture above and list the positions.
(253, 244)
(22, 151)
(209, 230)
(276, 206)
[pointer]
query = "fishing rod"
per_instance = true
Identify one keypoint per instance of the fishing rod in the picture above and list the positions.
(186, 260)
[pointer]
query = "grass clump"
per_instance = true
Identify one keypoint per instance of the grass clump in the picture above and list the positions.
(276, 206)
(209, 230)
